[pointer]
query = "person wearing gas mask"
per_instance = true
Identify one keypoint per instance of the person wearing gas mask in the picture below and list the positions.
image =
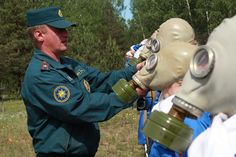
(209, 86)
(174, 29)
(174, 59)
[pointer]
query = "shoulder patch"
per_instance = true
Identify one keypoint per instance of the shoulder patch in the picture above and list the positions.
(87, 86)
(61, 94)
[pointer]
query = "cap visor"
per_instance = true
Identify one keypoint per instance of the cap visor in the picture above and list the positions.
(61, 24)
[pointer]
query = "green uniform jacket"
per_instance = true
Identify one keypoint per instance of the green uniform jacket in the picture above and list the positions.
(64, 101)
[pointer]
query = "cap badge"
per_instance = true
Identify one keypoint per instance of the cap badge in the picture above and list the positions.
(60, 13)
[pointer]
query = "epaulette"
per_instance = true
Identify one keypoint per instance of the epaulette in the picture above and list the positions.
(45, 66)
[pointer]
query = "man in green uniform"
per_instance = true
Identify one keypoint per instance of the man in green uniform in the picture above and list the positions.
(65, 99)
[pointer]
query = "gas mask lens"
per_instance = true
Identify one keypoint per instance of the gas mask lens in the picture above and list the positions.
(151, 62)
(202, 62)
(153, 45)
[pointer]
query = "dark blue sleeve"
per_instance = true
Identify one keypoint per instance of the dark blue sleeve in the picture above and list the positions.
(103, 81)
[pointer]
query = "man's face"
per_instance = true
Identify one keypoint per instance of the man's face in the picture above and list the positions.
(55, 40)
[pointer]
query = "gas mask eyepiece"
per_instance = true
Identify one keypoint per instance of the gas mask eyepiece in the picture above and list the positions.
(151, 62)
(202, 62)
(153, 45)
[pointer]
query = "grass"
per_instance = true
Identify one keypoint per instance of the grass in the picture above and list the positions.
(118, 135)
(14, 138)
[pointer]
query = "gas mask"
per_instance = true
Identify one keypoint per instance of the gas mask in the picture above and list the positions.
(174, 29)
(166, 67)
(161, 70)
(207, 86)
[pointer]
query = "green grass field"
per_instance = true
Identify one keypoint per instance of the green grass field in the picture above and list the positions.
(118, 135)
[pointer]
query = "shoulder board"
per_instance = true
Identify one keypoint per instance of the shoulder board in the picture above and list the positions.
(45, 66)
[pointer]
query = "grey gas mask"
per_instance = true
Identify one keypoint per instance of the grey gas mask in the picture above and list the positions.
(209, 84)
(160, 70)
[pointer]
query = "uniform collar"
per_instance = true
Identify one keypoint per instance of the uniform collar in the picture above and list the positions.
(44, 57)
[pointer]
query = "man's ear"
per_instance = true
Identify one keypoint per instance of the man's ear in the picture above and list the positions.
(39, 35)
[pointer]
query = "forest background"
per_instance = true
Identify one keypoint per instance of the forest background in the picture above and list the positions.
(102, 36)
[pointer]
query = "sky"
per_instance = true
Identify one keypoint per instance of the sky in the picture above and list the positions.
(127, 13)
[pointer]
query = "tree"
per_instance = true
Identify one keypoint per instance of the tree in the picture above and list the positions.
(99, 25)
(203, 15)
(14, 44)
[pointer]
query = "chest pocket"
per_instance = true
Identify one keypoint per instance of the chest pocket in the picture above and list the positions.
(68, 75)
